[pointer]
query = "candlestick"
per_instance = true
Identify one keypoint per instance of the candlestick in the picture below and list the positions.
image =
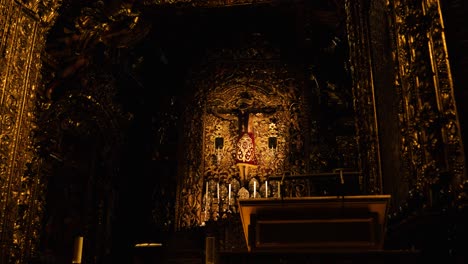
(255, 189)
(266, 188)
(229, 195)
(217, 191)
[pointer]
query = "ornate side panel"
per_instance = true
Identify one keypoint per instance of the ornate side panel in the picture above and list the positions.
(22, 41)
(190, 180)
(363, 92)
(445, 99)
(431, 144)
(5, 6)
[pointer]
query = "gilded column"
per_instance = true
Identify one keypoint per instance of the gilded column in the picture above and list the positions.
(431, 144)
(444, 93)
(364, 98)
(23, 26)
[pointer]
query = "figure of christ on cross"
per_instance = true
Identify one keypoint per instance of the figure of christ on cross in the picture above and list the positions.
(244, 114)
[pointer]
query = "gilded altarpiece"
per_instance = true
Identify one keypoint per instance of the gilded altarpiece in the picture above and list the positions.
(430, 144)
(204, 184)
(23, 25)
(215, 180)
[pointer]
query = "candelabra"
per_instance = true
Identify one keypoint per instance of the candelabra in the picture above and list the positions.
(220, 196)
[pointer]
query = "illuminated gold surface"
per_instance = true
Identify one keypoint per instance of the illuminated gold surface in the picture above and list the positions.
(219, 85)
(428, 118)
(431, 143)
(21, 193)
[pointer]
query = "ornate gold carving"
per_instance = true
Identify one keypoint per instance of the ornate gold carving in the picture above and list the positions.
(21, 203)
(226, 74)
(431, 143)
(47, 11)
(445, 99)
(115, 27)
(189, 186)
(364, 101)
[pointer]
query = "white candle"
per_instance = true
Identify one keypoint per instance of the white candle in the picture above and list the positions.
(266, 188)
(229, 195)
(78, 251)
(255, 189)
(206, 202)
(279, 190)
(217, 191)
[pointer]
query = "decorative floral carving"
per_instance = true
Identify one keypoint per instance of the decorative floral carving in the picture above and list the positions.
(431, 143)
(21, 200)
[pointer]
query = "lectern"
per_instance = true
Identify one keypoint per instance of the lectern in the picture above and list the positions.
(322, 223)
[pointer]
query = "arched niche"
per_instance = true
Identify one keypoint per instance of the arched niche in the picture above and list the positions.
(286, 139)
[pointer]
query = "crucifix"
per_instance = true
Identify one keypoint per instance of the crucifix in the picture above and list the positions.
(244, 113)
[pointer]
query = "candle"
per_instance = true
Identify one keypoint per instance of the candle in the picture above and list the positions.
(266, 188)
(229, 195)
(279, 190)
(78, 251)
(206, 202)
(255, 189)
(217, 191)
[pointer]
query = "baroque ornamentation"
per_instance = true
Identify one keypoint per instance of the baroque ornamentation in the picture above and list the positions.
(225, 75)
(21, 195)
(431, 143)
(23, 166)
(364, 101)
(79, 104)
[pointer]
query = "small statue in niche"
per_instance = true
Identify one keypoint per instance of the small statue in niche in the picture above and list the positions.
(219, 144)
(271, 155)
(272, 135)
(244, 113)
